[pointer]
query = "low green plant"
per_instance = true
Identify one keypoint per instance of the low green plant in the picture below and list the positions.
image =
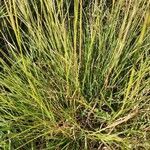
(75, 79)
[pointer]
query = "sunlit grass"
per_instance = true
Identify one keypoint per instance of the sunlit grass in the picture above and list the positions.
(75, 79)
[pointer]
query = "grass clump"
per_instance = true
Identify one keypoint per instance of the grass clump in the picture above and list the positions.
(75, 75)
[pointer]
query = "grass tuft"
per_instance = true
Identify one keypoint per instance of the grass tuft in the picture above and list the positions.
(74, 74)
